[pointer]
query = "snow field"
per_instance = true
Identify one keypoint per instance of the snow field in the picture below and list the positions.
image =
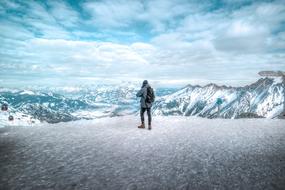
(111, 153)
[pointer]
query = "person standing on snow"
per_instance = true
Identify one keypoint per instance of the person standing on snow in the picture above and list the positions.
(147, 98)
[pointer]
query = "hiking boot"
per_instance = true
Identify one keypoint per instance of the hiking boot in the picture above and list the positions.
(149, 127)
(141, 126)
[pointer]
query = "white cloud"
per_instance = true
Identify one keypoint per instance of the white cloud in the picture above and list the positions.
(37, 21)
(113, 13)
(160, 15)
(250, 29)
(88, 57)
(63, 13)
(160, 40)
(243, 37)
(14, 31)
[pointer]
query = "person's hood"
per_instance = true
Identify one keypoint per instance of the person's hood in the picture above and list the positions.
(145, 82)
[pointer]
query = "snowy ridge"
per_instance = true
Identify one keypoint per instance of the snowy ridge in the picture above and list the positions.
(264, 98)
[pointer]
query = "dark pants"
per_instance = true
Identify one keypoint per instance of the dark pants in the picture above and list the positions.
(148, 115)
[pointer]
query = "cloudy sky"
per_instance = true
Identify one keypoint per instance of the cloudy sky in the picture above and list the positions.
(169, 42)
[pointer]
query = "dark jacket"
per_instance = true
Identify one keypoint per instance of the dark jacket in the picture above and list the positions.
(142, 93)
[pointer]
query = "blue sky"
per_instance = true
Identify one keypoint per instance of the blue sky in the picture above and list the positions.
(169, 42)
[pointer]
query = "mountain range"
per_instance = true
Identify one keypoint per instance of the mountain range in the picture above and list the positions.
(264, 98)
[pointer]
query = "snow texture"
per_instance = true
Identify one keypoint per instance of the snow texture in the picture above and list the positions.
(112, 153)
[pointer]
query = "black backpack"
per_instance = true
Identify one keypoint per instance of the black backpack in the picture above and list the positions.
(149, 95)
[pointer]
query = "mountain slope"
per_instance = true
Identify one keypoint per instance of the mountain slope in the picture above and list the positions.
(264, 98)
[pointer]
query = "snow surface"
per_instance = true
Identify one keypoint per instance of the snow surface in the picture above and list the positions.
(20, 119)
(112, 153)
(29, 92)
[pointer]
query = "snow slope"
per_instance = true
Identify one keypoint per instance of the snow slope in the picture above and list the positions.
(264, 98)
(111, 153)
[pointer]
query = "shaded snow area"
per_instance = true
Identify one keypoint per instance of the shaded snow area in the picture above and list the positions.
(111, 153)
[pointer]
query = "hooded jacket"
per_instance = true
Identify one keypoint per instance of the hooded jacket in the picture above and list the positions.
(142, 93)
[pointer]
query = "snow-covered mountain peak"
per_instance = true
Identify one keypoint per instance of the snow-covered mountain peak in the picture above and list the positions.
(264, 98)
